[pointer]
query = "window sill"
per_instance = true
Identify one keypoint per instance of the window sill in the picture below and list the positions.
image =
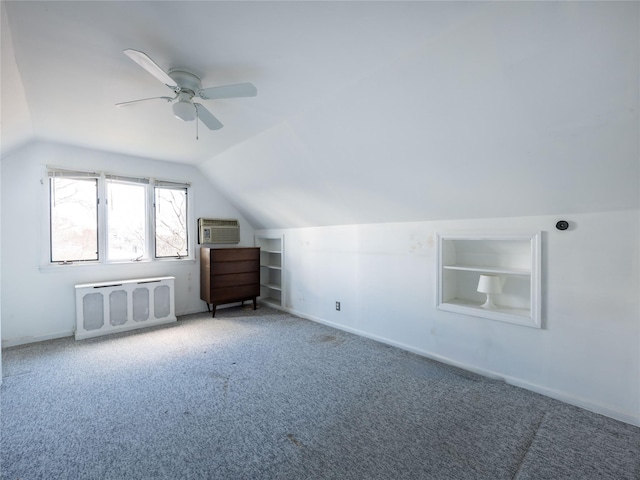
(59, 267)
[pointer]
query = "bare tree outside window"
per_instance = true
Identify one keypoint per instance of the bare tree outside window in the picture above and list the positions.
(74, 219)
(171, 222)
(126, 217)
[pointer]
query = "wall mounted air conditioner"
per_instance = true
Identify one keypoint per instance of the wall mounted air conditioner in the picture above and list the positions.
(218, 230)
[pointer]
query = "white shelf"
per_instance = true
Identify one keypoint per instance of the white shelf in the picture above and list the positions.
(500, 313)
(489, 269)
(457, 304)
(272, 286)
(271, 301)
(515, 259)
(275, 267)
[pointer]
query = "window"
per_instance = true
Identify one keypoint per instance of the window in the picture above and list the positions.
(126, 221)
(73, 201)
(139, 218)
(171, 221)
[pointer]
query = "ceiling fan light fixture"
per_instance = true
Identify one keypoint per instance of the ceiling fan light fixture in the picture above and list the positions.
(184, 110)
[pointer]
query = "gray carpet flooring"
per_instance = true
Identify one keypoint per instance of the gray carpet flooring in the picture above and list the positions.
(266, 395)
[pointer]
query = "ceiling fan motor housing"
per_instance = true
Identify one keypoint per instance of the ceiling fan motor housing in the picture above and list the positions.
(186, 80)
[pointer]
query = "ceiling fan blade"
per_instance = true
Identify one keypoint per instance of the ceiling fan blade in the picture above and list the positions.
(136, 102)
(150, 66)
(228, 91)
(206, 117)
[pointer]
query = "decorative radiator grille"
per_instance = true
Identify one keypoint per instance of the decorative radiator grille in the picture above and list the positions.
(110, 307)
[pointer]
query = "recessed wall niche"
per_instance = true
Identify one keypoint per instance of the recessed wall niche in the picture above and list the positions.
(515, 260)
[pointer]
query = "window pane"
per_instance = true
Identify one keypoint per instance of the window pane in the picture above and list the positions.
(171, 222)
(126, 217)
(74, 219)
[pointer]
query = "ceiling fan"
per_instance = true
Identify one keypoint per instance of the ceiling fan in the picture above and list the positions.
(185, 86)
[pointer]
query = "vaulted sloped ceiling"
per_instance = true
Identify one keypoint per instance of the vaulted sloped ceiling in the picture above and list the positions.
(515, 109)
(15, 121)
(366, 111)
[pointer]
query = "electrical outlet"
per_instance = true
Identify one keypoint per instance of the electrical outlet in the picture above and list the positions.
(338, 306)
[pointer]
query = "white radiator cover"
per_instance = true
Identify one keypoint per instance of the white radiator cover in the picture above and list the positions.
(121, 305)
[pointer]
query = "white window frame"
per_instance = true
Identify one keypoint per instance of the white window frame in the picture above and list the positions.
(52, 174)
(152, 192)
(102, 220)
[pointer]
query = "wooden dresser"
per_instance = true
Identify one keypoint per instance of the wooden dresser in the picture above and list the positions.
(229, 275)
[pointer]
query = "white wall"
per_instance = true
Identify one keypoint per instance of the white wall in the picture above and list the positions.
(1, 274)
(39, 303)
(384, 276)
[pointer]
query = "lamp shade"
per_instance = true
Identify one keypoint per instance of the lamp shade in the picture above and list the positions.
(184, 110)
(489, 284)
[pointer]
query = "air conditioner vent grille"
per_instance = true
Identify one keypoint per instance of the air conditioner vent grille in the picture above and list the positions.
(218, 222)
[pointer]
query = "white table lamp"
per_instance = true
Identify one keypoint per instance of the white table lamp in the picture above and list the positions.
(489, 284)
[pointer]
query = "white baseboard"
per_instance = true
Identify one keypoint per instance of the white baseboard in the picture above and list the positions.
(191, 311)
(14, 342)
(518, 382)
(572, 400)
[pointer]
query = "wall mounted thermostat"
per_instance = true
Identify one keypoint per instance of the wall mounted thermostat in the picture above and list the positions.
(562, 225)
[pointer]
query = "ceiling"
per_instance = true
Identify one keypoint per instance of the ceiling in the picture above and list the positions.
(366, 111)
(64, 67)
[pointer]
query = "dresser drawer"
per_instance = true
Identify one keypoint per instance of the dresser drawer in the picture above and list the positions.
(235, 279)
(232, 294)
(243, 266)
(234, 254)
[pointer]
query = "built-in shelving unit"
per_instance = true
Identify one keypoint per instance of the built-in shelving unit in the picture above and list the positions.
(514, 259)
(271, 265)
